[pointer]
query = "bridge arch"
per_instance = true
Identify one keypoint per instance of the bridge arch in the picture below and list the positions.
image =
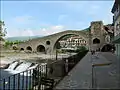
(21, 49)
(40, 48)
(29, 48)
(107, 48)
(63, 34)
(48, 43)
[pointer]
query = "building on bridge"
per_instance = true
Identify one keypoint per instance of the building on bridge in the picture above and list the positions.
(100, 36)
(116, 23)
(73, 42)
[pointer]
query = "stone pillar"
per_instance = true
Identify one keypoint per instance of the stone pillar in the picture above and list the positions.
(57, 69)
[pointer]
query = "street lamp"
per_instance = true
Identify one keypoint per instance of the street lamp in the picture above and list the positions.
(56, 54)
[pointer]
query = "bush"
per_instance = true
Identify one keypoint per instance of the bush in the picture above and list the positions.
(81, 48)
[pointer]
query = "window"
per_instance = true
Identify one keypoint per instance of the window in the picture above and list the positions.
(96, 41)
(118, 28)
(48, 42)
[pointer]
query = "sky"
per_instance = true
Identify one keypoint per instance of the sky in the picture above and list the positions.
(31, 18)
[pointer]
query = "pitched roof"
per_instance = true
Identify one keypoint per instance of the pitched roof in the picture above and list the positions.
(116, 3)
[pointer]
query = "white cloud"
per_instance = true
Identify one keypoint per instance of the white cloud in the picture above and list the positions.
(19, 32)
(51, 30)
(18, 27)
(31, 32)
(13, 32)
(108, 18)
(27, 32)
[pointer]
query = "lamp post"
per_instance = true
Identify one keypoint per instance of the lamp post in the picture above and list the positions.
(56, 54)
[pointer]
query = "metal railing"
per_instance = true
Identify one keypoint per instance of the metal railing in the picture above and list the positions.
(28, 79)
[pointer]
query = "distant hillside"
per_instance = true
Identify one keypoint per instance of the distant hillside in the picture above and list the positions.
(21, 38)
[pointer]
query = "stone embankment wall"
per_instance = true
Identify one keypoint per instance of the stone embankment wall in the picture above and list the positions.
(60, 68)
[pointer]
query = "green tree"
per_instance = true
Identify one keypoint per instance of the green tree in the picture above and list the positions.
(16, 42)
(2, 30)
(81, 48)
(2, 33)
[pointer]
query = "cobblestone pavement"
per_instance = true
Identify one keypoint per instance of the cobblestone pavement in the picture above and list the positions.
(104, 75)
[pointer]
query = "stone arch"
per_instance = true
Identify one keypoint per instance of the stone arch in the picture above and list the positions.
(40, 48)
(107, 48)
(29, 48)
(14, 47)
(21, 49)
(69, 33)
(96, 41)
(48, 42)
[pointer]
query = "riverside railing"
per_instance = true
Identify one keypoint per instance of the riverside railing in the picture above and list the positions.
(28, 79)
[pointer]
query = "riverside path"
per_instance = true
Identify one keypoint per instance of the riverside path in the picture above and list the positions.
(93, 71)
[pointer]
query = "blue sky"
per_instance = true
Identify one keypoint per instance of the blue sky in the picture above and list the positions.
(29, 18)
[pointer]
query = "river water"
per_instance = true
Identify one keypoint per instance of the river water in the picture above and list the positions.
(9, 57)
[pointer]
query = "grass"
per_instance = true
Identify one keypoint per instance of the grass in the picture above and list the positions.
(2, 56)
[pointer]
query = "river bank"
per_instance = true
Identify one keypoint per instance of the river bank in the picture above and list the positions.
(10, 56)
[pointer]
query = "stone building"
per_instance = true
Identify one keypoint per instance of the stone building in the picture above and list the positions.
(116, 22)
(73, 42)
(100, 36)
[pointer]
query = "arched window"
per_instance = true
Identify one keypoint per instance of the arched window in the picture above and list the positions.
(29, 48)
(96, 41)
(107, 48)
(48, 42)
(40, 48)
(22, 49)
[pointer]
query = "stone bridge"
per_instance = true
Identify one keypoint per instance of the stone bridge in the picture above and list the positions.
(47, 44)
(96, 37)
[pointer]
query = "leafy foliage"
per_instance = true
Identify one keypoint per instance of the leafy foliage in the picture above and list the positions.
(10, 43)
(81, 48)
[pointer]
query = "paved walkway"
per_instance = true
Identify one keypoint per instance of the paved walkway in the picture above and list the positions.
(104, 76)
